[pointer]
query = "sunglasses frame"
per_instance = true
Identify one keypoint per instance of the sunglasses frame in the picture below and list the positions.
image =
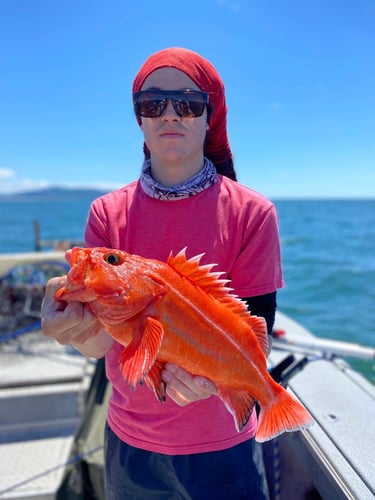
(170, 95)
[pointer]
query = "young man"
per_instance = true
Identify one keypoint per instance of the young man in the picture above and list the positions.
(186, 196)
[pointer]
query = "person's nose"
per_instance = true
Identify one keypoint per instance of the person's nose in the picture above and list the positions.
(170, 112)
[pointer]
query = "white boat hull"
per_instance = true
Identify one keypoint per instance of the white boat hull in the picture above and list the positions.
(10, 260)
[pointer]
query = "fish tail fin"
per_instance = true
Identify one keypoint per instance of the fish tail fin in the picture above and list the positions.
(284, 414)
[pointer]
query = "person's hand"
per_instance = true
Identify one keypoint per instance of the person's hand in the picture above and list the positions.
(66, 323)
(185, 388)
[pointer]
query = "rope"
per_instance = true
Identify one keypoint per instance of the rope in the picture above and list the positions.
(276, 470)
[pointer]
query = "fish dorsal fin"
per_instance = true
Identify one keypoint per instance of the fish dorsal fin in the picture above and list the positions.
(259, 327)
(202, 277)
(216, 288)
(210, 282)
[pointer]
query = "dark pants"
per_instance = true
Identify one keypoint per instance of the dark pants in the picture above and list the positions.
(132, 473)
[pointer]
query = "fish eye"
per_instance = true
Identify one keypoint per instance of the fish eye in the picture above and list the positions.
(113, 259)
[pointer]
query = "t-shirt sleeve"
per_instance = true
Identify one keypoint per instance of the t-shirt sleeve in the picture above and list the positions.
(96, 234)
(257, 269)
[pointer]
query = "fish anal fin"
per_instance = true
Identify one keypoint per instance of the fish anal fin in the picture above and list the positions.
(154, 381)
(239, 403)
(285, 414)
(137, 359)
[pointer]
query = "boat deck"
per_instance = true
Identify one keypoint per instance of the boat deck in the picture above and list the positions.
(42, 393)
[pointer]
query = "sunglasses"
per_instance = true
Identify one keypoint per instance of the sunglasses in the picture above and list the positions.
(186, 103)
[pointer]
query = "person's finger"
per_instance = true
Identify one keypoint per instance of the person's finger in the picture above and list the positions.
(183, 387)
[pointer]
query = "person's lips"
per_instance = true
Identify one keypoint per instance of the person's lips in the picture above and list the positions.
(171, 134)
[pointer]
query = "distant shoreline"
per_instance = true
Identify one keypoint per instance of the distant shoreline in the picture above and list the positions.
(72, 194)
(52, 194)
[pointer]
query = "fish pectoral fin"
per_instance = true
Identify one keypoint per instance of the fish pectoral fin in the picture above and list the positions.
(136, 360)
(239, 403)
(154, 381)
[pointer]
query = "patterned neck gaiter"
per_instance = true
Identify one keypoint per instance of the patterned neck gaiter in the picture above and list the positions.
(196, 184)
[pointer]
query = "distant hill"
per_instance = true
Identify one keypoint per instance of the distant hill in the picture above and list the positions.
(53, 194)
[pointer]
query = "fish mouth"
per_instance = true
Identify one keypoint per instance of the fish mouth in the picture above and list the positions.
(78, 287)
(75, 256)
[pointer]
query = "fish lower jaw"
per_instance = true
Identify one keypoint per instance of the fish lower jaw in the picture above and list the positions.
(76, 294)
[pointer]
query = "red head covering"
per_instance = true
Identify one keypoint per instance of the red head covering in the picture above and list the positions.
(205, 76)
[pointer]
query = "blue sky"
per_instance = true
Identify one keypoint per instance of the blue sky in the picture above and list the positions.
(299, 77)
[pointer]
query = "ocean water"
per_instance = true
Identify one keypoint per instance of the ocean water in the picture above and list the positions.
(328, 252)
(58, 220)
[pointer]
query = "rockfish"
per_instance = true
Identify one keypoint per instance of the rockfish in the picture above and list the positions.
(181, 312)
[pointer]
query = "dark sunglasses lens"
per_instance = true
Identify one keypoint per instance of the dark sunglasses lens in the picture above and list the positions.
(151, 104)
(189, 105)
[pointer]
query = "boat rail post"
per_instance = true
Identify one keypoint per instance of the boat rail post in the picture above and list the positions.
(37, 241)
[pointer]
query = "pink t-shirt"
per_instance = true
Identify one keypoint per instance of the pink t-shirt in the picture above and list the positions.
(236, 228)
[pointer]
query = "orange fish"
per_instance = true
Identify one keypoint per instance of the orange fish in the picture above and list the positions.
(182, 312)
